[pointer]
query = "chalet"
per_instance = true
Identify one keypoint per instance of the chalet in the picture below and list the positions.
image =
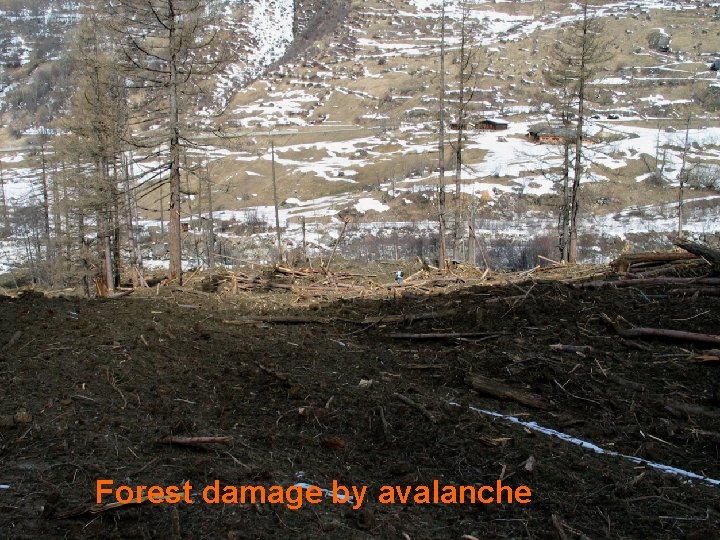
(544, 134)
(491, 124)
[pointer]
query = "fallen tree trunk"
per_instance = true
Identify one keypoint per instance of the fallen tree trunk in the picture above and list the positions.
(623, 263)
(701, 250)
(499, 390)
(648, 281)
(195, 440)
(276, 320)
(452, 335)
(699, 291)
(667, 334)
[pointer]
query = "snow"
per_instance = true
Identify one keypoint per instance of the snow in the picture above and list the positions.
(17, 158)
(271, 32)
(534, 426)
(366, 204)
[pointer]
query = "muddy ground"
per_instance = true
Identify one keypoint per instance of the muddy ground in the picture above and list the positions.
(88, 388)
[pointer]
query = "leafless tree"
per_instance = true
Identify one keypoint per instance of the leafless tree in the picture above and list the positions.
(169, 49)
(577, 54)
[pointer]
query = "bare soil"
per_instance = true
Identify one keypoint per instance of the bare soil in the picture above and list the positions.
(90, 387)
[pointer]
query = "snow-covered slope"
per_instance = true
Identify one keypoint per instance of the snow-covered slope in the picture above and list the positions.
(269, 26)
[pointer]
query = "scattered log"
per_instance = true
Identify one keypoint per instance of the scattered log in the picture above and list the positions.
(699, 291)
(647, 281)
(555, 264)
(500, 390)
(508, 299)
(415, 275)
(451, 335)
(191, 441)
(121, 293)
(406, 319)
(691, 408)
(190, 290)
(276, 320)
(571, 348)
(279, 376)
(560, 527)
(407, 401)
(292, 271)
(711, 356)
(639, 332)
(711, 255)
(623, 263)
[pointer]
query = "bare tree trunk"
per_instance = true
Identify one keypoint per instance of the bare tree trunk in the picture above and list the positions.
(135, 255)
(66, 215)
(578, 166)
(104, 227)
(46, 211)
(276, 203)
(5, 215)
(564, 221)
(211, 224)
(682, 177)
(472, 241)
(304, 242)
(441, 148)
(114, 203)
(175, 229)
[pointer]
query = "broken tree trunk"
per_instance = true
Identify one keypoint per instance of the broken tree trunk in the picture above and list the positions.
(623, 263)
(667, 334)
(711, 255)
(648, 282)
(452, 335)
(189, 441)
(499, 390)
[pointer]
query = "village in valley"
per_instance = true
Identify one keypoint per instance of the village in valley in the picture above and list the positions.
(417, 253)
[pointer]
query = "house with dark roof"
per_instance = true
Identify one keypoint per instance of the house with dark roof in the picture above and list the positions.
(491, 124)
(544, 134)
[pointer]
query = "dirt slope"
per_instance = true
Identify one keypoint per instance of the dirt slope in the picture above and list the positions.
(104, 380)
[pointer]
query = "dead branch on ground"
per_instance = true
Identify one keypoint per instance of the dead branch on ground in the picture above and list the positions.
(407, 401)
(191, 441)
(498, 390)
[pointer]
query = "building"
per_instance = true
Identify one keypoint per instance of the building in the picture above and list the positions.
(544, 134)
(491, 124)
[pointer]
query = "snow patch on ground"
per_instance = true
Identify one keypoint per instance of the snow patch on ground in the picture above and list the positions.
(366, 204)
